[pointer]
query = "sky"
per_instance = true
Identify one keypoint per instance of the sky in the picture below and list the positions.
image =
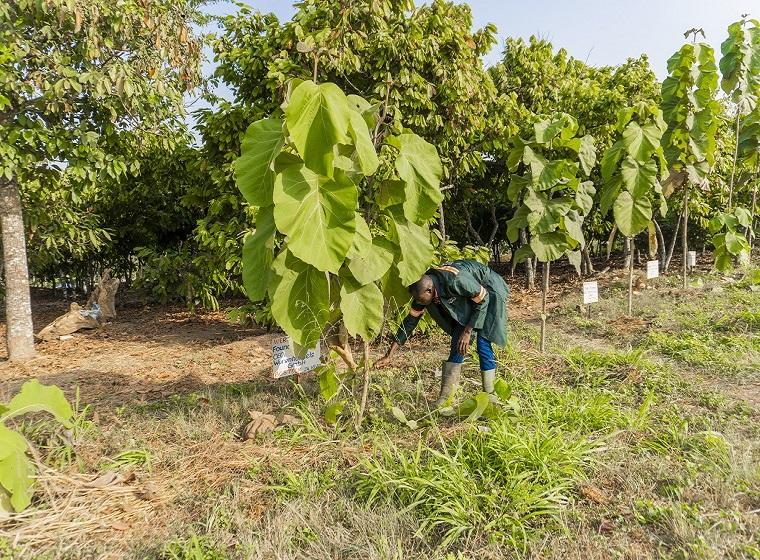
(600, 32)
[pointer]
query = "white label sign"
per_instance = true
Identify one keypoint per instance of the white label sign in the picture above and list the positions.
(590, 292)
(285, 363)
(653, 269)
(691, 258)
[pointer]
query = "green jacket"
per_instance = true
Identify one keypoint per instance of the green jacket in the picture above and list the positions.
(470, 294)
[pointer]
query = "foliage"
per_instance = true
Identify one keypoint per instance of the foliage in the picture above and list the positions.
(550, 198)
(425, 60)
(729, 243)
(509, 477)
(630, 169)
(16, 471)
(740, 64)
(314, 255)
(689, 108)
(74, 74)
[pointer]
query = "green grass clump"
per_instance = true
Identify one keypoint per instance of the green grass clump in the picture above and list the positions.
(505, 480)
(192, 548)
(707, 351)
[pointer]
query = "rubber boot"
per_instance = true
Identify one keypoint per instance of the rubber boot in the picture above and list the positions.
(489, 377)
(449, 382)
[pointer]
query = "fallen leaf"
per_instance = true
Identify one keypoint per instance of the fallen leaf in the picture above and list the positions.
(119, 526)
(593, 494)
(260, 424)
(148, 492)
(105, 479)
(606, 526)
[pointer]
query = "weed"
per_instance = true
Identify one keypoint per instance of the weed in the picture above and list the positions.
(193, 548)
(507, 480)
(136, 458)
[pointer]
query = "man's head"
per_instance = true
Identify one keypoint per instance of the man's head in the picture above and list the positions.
(423, 290)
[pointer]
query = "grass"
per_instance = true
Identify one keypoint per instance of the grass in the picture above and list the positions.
(672, 463)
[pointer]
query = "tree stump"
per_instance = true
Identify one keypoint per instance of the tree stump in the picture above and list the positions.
(69, 323)
(104, 295)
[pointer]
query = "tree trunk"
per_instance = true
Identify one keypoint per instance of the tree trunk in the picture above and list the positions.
(365, 387)
(543, 306)
(660, 243)
(530, 272)
(18, 306)
(628, 253)
(685, 234)
(610, 241)
(586, 257)
(673, 243)
(441, 222)
(630, 280)
(733, 168)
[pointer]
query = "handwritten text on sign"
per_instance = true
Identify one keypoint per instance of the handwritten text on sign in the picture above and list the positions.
(285, 363)
(653, 269)
(590, 292)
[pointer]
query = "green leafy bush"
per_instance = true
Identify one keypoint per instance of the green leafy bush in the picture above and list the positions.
(16, 471)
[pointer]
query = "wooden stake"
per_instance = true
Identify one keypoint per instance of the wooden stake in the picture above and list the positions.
(543, 306)
(365, 388)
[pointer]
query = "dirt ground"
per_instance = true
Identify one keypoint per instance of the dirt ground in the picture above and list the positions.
(147, 353)
(151, 352)
(176, 386)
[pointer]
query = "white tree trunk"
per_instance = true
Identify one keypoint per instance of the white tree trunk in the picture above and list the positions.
(18, 306)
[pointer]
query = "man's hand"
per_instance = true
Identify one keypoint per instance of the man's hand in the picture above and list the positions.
(464, 340)
(383, 362)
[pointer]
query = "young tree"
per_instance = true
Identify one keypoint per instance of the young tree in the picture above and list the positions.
(740, 67)
(689, 108)
(74, 74)
(550, 198)
(343, 216)
(630, 170)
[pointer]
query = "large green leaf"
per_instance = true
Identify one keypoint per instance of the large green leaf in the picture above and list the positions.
(362, 308)
(609, 195)
(254, 173)
(549, 246)
(258, 253)
(587, 154)
(318, 118)
(584, 196)
(369, 259)
(638, 179)
(365, 149)
(610, 159)
(36, 397)
(419, 167)
(414, 242)
(574, 227)
(373, 264)
(300, 297)
(518, 221)
(15, 469)
(641, 141)
(735, 242)
(317, 215)
(632, 215)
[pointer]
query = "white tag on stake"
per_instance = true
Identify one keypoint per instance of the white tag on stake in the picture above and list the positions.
(284, 361)
(691, 258)
(590, 292)
(653, 269)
